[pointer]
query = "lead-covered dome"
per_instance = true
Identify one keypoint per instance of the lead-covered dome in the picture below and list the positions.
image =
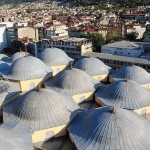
(110, 128)
(42, 109)
(73, 81)
(133, 73)
(15, 137)
(26, 68)
(18, 55)
(92, 66)
(4, 67)
(4, 58)
(124, 94)
(55, 57)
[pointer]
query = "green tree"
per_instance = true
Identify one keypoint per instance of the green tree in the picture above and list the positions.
(97, 40)
(114, 33)
(131, 36)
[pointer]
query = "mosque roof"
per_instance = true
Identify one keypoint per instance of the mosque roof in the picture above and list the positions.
(92, 66)
(55, 57)
(124, 94)
(41, 109)
(133, 73)
(73, 81)
(110, 128)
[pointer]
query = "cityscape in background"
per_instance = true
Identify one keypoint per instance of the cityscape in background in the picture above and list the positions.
(75, 74)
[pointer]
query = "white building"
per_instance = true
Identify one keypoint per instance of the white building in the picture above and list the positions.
(123, 48)
(3, 37)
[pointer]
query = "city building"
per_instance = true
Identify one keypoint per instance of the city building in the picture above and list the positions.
(94, 67)
(73, 47)
(56, 59)
(56, 30)
(45, 111)
(21, 33)
(109, 128)
(28, 72)
(3, 35)
(124, 94)
(77, 83)
(123, 48)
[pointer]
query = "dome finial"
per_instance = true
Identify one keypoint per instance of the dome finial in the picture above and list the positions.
(39, 87)
(89, 54)
(113, 110)
(71, 65)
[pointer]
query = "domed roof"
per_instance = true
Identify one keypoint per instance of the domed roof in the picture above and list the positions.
(41, 109)
(92, 66)
(26, 68)
(73, 81)
(124, 94)
(133, 73)
(55, 57)
(4, 86)
(108, 128)
(15, 137)
(4, 58)
(18, 55)
(4, 67)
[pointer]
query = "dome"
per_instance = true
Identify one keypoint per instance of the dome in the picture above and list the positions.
(26, 68)
(73, 81)
(133, 73)
(55, 57)
(92, 66)
(4, 67)
(15, 137)
(18, 55)
(110, 128)
(41, 109)
(4, 86)
(4, 58)
(124, 94)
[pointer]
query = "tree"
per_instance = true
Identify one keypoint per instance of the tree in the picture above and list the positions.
(114, 33)
(97, 40)
(131, 36)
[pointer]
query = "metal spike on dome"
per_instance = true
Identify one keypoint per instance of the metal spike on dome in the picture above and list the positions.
(71, 65)
(39, 87)
(89, 54)
(113, 110)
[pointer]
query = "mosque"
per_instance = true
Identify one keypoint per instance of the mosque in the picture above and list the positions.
(54, 102)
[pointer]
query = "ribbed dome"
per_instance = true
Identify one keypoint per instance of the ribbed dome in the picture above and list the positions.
(18, 55)
(41, 109)
(15, 137)
(133, 73)
(101, 129)
(26, 68)
(124, 94)
(73, 81)
(4, 67)
(55, 57)
(4, 58)
(4, 86)
(92, 66)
